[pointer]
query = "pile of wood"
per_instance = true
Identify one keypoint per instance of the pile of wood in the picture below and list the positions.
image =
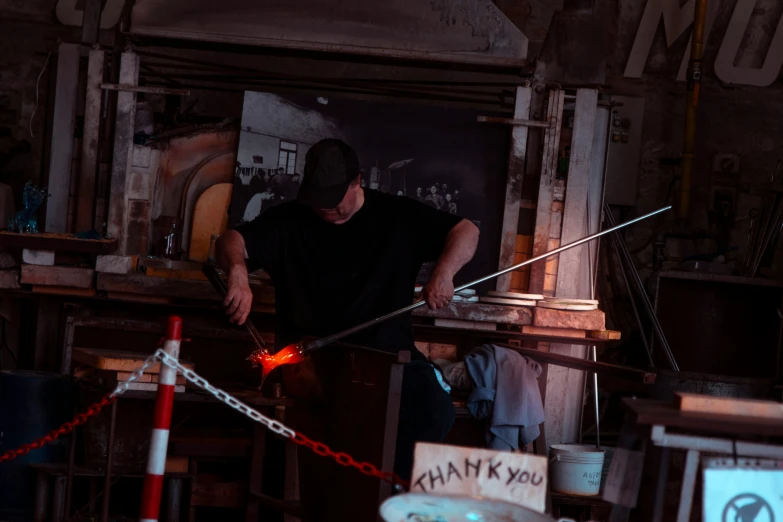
(111, 367)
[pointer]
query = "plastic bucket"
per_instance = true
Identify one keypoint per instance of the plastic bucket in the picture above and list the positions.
(575, 469)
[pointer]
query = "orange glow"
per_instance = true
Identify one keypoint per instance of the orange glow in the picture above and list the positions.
(291, 354)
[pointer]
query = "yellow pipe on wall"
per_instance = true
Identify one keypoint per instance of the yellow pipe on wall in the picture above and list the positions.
(691, 104)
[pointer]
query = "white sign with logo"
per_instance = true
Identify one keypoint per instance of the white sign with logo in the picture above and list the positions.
(749, 491)
(519, 478)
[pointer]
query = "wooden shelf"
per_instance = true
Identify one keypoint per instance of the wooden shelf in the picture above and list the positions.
(62, 242)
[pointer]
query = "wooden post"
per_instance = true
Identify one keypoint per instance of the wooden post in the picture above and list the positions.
(544, 210)
(85, 207)
(61, 154)
(91, 22)
(565, 388)
(516, 173)
(123, 149)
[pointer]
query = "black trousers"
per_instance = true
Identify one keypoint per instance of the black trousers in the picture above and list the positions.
(426, 414)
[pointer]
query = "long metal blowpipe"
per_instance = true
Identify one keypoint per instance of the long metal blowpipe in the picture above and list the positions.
(294, 353)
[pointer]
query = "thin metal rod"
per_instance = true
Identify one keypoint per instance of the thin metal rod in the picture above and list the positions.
(324, 341)
(633, 304)
(640, 288)
(594, 353)
(109, 456)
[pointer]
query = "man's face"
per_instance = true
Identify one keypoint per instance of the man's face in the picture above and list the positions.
(433, 189)
(346, 209)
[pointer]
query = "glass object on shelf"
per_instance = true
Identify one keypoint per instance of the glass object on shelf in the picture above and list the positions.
(25, 221)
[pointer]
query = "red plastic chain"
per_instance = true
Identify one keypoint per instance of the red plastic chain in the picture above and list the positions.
(346, 460)
(62, 430)
(318, 448)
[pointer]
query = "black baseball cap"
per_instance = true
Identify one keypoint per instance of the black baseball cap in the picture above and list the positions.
(330, 167)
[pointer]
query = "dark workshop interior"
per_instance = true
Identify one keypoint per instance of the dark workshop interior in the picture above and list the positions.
(346, 260)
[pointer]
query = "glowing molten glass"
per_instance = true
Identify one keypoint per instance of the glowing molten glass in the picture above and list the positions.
(291, 354)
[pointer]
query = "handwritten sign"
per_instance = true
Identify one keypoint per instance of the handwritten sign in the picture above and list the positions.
(747, 490)
(519, 478)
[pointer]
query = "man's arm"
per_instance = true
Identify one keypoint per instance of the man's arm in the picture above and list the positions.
(230, 254)
(459, 249)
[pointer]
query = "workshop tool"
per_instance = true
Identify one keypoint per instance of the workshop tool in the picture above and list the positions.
(217, 282)
(294, 353)
(626, 256)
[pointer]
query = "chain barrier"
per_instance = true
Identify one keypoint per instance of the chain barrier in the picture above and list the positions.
(318, 448)
(80, 419)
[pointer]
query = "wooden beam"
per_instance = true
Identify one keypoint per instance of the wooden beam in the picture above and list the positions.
(91, 21)
(565, 388)
(60, 276)
(144, 89)
(61, 153)
(541, 235)
(123, 149)
(516, 173)
(85, 206)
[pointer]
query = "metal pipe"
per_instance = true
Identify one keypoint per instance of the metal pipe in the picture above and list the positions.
(691, 104)
(626, 256)
(633, 304)
(324, 341)
(109, 456)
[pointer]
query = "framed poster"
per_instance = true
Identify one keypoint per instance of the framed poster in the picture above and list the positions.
(438, 155)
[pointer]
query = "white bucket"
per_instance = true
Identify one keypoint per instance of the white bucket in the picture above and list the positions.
(575, 469)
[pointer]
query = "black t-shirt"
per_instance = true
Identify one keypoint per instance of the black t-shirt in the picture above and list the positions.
(331, 277)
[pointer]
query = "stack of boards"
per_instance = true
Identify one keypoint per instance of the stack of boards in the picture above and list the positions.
(114, 367)
(463, 296)
(556, 303)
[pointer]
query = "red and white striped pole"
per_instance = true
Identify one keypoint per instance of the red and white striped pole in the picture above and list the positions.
(156, 463)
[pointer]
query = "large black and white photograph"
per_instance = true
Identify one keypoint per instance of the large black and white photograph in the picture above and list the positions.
(437, 155)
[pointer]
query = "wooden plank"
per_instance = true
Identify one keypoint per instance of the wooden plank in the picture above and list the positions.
(63, 290)
(139, 298)
(57, 276)
(591, 320)
(38, 257)
(482, 312)
(556, 332)
(57, 242)
(116, 360)
(434, 351)
(61, 153)
(565, 406)
(177, 464)
(606, 335)
(472, 325)
(174, 288)
(541, 234)
(114, 264)
(9, 279)
(91, 22)
(692, 402)
(124, 376)
(85, 206)
(173, 273)
(516, 173)
(123, 148)
(584, 365)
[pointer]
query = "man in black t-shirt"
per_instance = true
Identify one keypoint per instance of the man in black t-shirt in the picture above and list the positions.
(341, 255)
